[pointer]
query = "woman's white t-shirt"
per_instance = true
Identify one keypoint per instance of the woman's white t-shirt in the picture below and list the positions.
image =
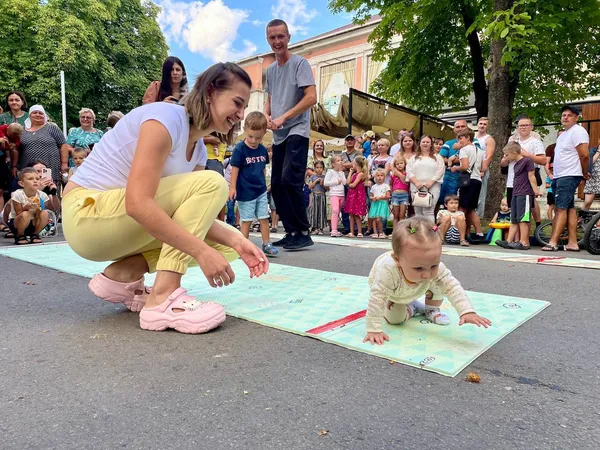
(108, 165)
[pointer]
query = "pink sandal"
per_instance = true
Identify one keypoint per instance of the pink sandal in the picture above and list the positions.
(184, 313)
(116, 292)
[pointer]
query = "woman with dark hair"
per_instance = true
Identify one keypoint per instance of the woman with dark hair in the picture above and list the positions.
(15, 106)
(173, 85)
(318, 154)
(144, 198)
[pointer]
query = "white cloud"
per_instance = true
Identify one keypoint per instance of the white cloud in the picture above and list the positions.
(209, 29)
(258, 23)
(295, 14)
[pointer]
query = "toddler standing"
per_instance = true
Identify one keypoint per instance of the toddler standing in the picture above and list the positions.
(380, 210)
(412, 269)
(356, 201)
(248, 183)
(335, 181)
(317, 209)
(399, 188)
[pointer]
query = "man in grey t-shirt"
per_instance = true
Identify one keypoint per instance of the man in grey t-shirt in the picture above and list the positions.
(290, 94)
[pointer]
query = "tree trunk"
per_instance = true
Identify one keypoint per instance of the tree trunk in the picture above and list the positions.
(480, 88)
(502, 88)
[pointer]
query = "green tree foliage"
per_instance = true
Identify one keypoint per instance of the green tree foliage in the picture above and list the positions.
(552, 47)
(512, 55)
(109, 50)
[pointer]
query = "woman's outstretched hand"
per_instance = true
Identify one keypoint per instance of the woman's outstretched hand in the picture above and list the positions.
(215, 268)
(253, 257)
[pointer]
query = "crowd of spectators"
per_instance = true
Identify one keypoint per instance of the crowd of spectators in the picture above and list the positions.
(364, 185)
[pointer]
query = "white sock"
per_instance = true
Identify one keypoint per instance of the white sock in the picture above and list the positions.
(434, 315)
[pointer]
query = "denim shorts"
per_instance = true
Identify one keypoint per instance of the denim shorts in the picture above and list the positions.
(564, 189)
(254, 209)
(399, 198)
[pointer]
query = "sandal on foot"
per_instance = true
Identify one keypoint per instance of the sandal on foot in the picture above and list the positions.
(550, 248)
(4, 229)
(183, 313)
(133, 295)
(465, 243)
(35, 239)
(349, 235)
(572, 249)
(434, 315)
(21, 240)
(9, 235)
(375, 236)
(359, 235)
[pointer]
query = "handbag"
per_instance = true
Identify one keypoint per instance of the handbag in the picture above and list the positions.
(464, 178)
(538, 176)
(422, 199)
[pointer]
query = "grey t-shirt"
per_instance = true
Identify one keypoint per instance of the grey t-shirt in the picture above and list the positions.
(285, 85)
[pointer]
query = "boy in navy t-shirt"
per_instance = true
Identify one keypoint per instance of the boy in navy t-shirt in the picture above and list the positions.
(523, 195)
(248, 184)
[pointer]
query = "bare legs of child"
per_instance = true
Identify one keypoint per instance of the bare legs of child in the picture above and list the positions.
(459, 223)
(267, 247)
(23, 221)
(274, 220)
(355, 221)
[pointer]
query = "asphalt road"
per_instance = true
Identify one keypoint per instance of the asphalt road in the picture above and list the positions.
(78, 373)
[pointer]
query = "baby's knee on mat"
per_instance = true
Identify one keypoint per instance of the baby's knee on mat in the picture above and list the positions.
(395, 313)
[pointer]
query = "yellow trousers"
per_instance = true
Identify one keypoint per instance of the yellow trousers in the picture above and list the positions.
(97, 227)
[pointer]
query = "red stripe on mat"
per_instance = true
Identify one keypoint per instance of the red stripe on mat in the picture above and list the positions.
(550, 258)
(338, 323)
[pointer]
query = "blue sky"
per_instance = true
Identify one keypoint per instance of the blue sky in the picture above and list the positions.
(204, 32)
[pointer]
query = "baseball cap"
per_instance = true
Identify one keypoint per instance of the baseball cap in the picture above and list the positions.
(349, 137)
(370, 133)
(571, 108)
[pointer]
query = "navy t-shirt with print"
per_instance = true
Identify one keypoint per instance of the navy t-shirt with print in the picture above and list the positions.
(251, 182)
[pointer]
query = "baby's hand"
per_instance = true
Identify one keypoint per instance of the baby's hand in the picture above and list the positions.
(376, 338)
(475, 319)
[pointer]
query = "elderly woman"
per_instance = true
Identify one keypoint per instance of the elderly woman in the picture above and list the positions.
(85, 135)
(173, 85)
(15, 106)
(144, 198)
(43, 140)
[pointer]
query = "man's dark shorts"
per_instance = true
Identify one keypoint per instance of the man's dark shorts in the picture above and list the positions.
(564, 189)
(468, 197)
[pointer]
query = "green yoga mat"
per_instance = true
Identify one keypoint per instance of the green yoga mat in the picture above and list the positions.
(330, 307)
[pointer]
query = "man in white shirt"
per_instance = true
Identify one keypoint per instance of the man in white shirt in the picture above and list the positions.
(571, 164)
(488, 145)
(532, 148)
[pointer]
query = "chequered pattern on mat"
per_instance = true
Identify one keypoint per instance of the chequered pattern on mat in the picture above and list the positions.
(299, 300)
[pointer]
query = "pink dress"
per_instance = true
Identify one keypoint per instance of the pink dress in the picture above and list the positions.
(356, 200)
